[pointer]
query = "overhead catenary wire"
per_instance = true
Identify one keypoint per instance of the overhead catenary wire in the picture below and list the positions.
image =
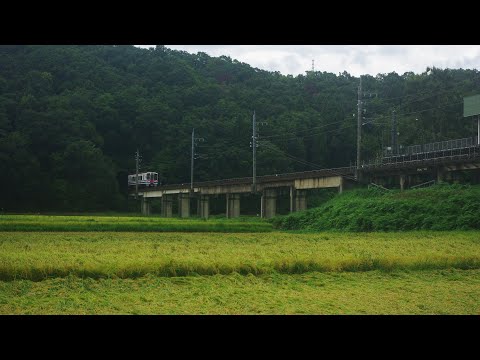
(283, 137)
(370, 120)
(382, 116)
(306, 130)
(344, 126)
(425, 93)
(414, 112)
(280, 136)
(304, 162)
(352, 125)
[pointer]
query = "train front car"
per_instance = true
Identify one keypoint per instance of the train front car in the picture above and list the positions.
(131, 180)
(152, 177)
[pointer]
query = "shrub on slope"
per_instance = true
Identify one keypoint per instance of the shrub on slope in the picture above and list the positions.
(442, 207)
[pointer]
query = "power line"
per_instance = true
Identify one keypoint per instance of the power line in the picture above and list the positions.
(327, 95)
(304, 162)
(320, 133)
(419, 111)
(371, 120)
(380, 117)
(438, 107)
(424, 98)
(306, 130)
(345, 126)
(425, 93)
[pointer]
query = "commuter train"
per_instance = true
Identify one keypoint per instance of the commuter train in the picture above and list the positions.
(146, 179)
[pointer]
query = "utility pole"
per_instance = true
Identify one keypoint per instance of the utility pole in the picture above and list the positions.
(359, 128)
(254, 144)
(254, 147)
(191, 163)
(137, 157)
(383, 145)
(394, 133)
(195, 156)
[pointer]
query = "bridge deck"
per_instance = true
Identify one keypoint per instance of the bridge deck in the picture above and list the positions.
(455, 158)
(343, 171)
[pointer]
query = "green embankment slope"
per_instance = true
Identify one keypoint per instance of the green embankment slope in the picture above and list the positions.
(441, 207)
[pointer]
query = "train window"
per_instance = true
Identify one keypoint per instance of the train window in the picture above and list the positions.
(155, 176)
(148, 176)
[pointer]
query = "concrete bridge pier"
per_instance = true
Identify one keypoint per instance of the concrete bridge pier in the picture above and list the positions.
(292, 199)
(269, 202)
(204, 206)
(402, 182)
(232, 205)
(301, 200)
(145, 206)
(227, 205)
(167, 204)
(441, 174)
(184, 205)
(340, 187)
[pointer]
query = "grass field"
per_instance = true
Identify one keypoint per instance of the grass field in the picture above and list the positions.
(177, 271)
(129, 224)
(38, 256)
(373, 292)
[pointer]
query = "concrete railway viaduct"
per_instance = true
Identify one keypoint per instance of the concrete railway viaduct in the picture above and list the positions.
(405, 170)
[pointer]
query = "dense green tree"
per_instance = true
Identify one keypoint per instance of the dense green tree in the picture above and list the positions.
(71, 118)
(82, 170)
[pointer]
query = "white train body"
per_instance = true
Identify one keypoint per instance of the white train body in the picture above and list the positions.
(144, 179)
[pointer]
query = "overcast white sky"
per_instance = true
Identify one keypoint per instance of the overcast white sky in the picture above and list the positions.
(355, 59)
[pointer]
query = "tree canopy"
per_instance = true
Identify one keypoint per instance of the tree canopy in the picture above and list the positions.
(71, 118)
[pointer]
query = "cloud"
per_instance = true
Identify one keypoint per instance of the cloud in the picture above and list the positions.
(355, 59)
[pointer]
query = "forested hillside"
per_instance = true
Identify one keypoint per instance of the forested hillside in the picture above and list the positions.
(71, 118)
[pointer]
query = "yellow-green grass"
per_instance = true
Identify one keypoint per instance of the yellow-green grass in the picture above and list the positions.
(130, 224)
(400, 292)
(38, 256)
